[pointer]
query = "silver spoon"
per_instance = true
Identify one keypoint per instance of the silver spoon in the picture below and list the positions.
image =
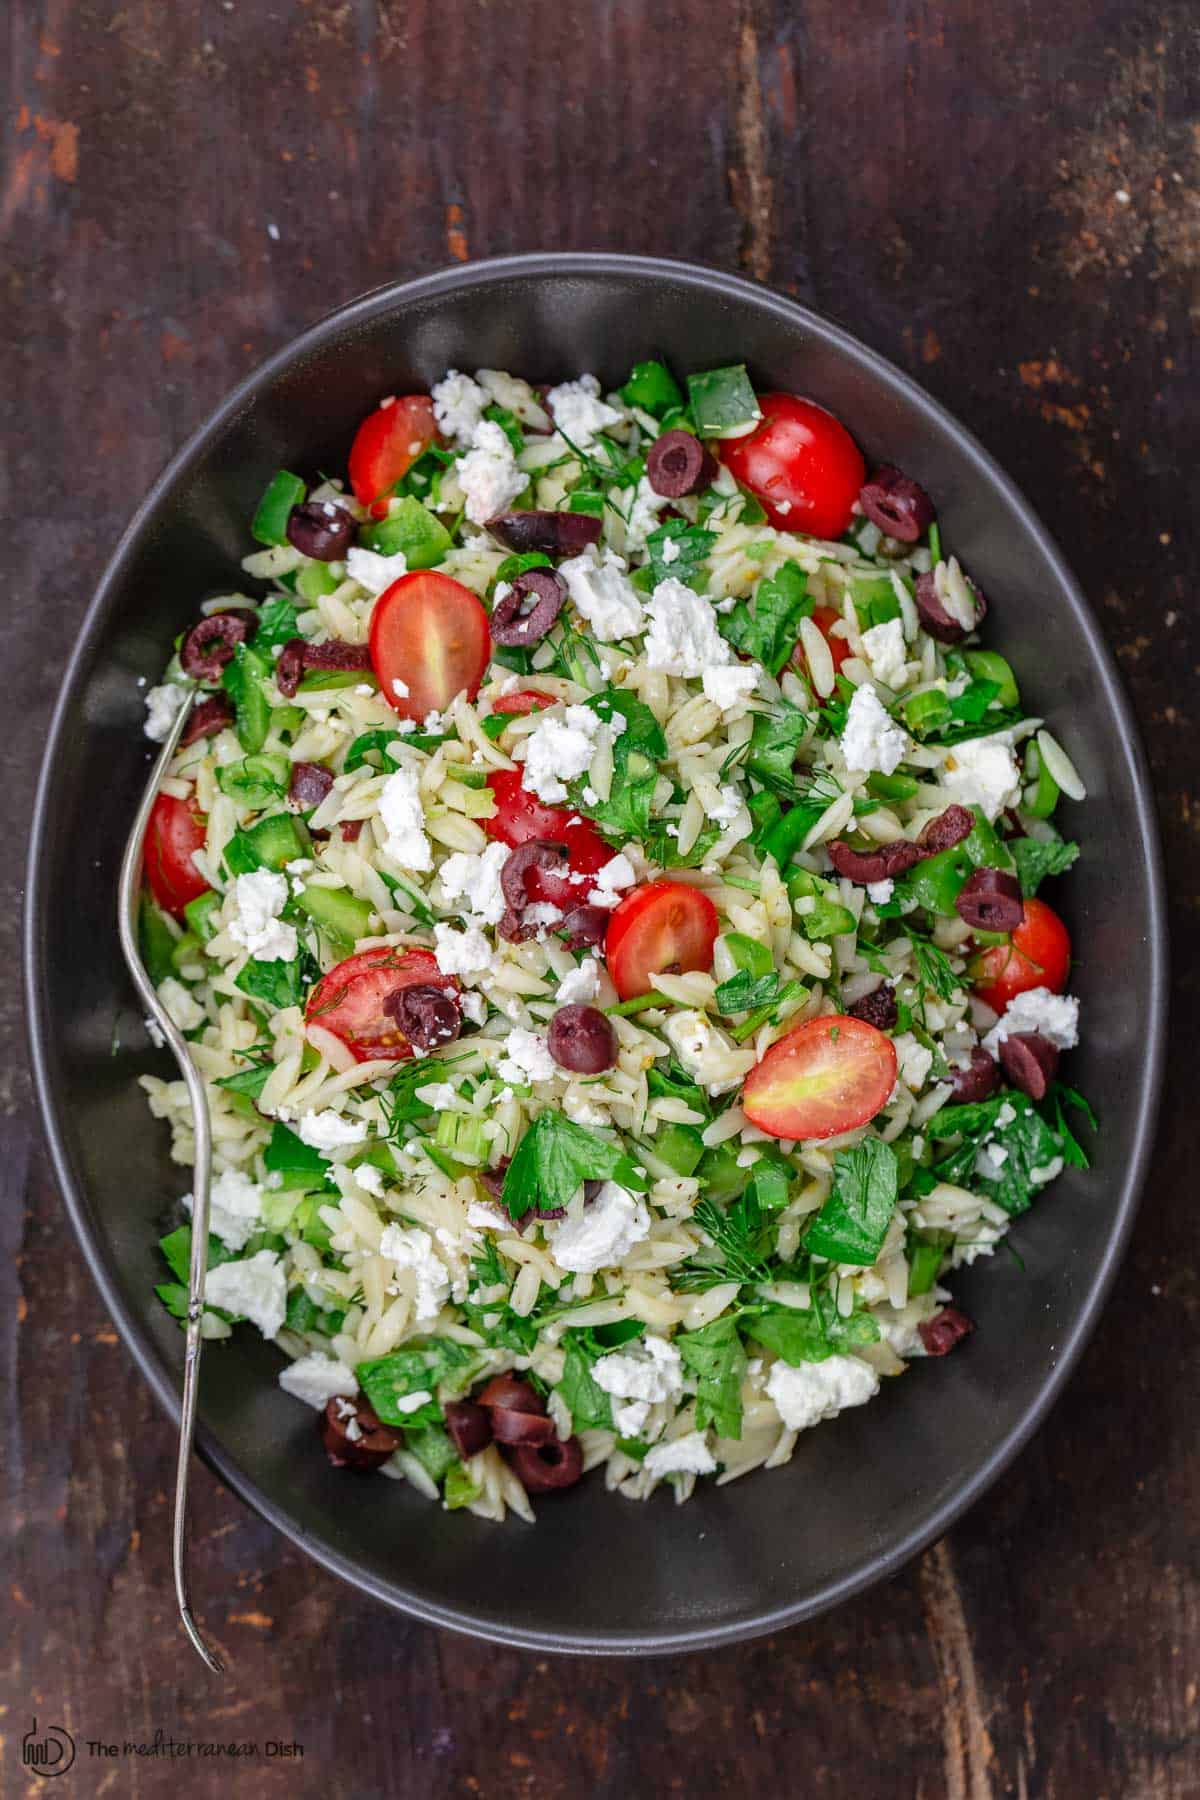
(129, 896)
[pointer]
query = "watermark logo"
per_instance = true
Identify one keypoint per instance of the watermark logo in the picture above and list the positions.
(47, 1752)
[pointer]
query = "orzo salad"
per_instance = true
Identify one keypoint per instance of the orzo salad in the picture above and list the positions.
(599, 881)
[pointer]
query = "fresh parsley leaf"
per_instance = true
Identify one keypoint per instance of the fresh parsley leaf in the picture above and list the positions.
(277, 622)
(690, 545)
(1037, 858)
(289, 1156)
(176, 1247)
(774, 743)
(277, 984)
(400, 1103)
(670, 1082)
(663, 848)
(766, 627)
(637, 752)
(386, 1379)
(1010, 1122)
(553, 1160)
(373, 747)
(743, 991)
(249, 1081)
(715, 1356)
(1059, 1097)
(585, 1399)
(852, 1224)
(813, 1335)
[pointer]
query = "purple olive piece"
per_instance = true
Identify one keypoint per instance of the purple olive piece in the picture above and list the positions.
(297, 657)
(372, 1441)
(512, 1426)
(212, 715)
(528, 611)
(591, 1190)
(990, 900)
(878, 1008)
(469, 1426)
(210, 644)
(289, 667)
(321, 529)
(508, 1392)
(582, 1039)
(880, 864)
(940, 1334)
(427, 1015)
(678, 463)
(584, 927)
(949, 828)
(977, 1081)
(541, 1468)
(939, 623)
(1030, 1061)
(553, 533)
(898, 505)
(309, 785)
(513, 928)
(535, 853)
(493, 1179)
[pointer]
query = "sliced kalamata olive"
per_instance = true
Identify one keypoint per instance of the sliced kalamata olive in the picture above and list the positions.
(541, 1468)
(514, 929)
(309, 784)
(535, 853)
(937, 620)
(428, 1016)
(353, 1434)
(582, 1039)
(949, 828)
(321, 529)
(213, 714)
(878, 1008)
(1030, 1061)
(584, 927)
(493, 1179)
(940, 1334)
(880, 864)
(678, 463)
(289, 667)
(509, 1392)
(990, 900)
(591, 1190)
(553, 533)
(510, 1425)
(469, 1426)
(297, 657)
(898, 505)
(210, 644)
(980, 1078)
(528, 610)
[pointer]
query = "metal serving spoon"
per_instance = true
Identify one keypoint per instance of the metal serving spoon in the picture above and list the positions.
(129, 895)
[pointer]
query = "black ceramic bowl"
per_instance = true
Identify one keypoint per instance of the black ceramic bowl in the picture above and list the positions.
(861, 1494)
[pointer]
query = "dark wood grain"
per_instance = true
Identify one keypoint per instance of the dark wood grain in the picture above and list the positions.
(1003, 199)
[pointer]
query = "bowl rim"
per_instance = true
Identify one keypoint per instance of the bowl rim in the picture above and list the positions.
(939, 1517)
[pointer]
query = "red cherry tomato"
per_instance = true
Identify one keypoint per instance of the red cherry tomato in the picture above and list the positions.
(520, 816)
(802, 463)
(828, 1076)
(174, 831)
(1037, 955)
(386, 445)
(430, 634)
(666, 927)
(350, 1003)
(839, 647)
(528, 700)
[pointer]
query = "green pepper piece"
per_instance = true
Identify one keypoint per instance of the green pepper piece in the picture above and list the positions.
(892, 787)
(989, 665)
(652, 386)
(720, 1177)
(786, 837)
(185, 949)
(926, 712)
(277, 841)
(288, 720)
(314, 580)
(747, 953)
(924, 1261)
(985, 846)
(156, 941)
(245, 681)
(937, 882)
(874, 599)
(201, 915)
(828, 918)
(409, 527)
(765, 810)
(587, 500)
(342, 916)
(1041, 796)
(269, 525)
(680, 1146)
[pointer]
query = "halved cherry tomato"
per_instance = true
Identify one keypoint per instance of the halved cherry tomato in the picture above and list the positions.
(827, 1076)
(839, 647)
(386, 445)
(175, 829)
(430, 634)
(802, 463)
(1037, 955)
(528, 700)
(520, 816)
(349, 1004)
(663, 928)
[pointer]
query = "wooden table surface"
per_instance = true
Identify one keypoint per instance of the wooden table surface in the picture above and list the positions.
(1003, 199)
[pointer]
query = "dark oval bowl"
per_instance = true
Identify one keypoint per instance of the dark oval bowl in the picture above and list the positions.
(862, 1493)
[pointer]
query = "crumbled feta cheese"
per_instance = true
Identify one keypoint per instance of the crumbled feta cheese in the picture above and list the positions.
(883, 646)
(438, 1095)
(643, 1376)
(259, 898)
(579, 986)
(234, 1207)
(515, 396)
(474, 1008)
(729, 684)
(488, 474)
(603, 1233)
(317, 1379)
(1053, 1016)
(162, 705)
(643, 517)
(328, 1131)
(558, 750)
(404, 820)
(412, 1248)
(370, 1179)
(526, 1058)
(880, 892)
(476, 879)
(578, 411)
(411, 1403)
(255, 1287)
(983, 772)
(870, 742)
(811, 1392)
(683, 638)
(458, 405)
(688, 1455)
(464, 953)
(616, 874)
(914, 1059)
(603, 594)
(729, 805)
(373, 571)
(705, 1053)
(183, 1011)
(542, 913)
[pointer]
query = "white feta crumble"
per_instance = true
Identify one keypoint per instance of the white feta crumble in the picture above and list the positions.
(458, 405)
(259, 898)
(476, 879)
(705, 1053)
(983, 772)
(729, 805)
(369, 1178)
(438, 1095)
(183, 1011)
(914, 1059)
(885, 653)
(641, 1377)
(871, 744)
(603, 1233)
(412, 1248)
(578, 411)
(255, 1288)
(579, 986)
(643, 517)
(542, 913)
(488, 474)
(558, 750)
(411, 1403)
(683, 638)
(805, 1395)
(404, 820)
(327, 1131)
(729, 684)
(464, 953)
(603, 594)
(880, 892)
(162, 705)
(234, 1207)
(526, 1058)
(373, 571)
(317, 1379)
(474, 1007)
(688, 1455)
(616, 874)
(1053, 1016)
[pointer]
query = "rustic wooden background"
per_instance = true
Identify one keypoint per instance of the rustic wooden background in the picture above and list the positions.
(1002, 198)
